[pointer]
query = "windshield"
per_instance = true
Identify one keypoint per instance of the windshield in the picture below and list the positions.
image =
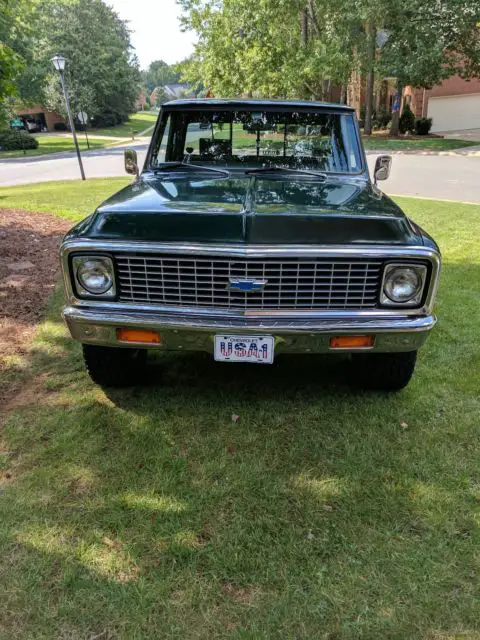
(312, 140)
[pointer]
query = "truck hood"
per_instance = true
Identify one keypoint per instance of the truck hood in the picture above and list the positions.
(247, 209)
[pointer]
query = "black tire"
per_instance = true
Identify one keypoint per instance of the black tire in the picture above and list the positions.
(114, 366)
(384, 371)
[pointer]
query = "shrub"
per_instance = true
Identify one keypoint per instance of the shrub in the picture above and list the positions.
(11, 140)
(121, 117)
(407, 120)
(423, 126)
(105, 119)
(60, 126)
(381, 119)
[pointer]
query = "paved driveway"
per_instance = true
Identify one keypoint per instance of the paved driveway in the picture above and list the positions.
(444, 177)
(448, 177)
(463, 134)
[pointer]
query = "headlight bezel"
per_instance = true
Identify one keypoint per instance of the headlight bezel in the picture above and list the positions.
(421, 270)
(80, 287)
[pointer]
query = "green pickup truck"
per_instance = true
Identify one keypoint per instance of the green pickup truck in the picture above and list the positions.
(253, 230)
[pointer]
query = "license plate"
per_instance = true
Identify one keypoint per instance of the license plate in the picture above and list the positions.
(258, 349)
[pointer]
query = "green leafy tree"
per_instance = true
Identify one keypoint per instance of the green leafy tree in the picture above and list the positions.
(429, 42)
(189, 73)
(160, 96)
(299, 48)
(158, 74)
(286, 48)
(14, 33)
(102, 70)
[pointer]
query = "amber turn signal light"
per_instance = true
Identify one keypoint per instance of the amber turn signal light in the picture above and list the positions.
(138, 335)
(351, 342)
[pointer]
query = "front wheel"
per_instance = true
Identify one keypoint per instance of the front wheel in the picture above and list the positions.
(114, 366)
(384, 371)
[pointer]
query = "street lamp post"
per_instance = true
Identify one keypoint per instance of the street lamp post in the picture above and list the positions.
(59, 64)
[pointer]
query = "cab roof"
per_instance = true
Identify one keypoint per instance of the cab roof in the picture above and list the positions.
(287, 105)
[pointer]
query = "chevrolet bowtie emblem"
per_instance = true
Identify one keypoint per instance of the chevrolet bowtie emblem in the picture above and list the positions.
(246, 285)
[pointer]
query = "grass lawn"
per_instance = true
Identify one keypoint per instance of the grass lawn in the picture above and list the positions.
(51, 144)
(54, 144)
(374, 143)
(323, 512)
(72, 199)
(137, 122)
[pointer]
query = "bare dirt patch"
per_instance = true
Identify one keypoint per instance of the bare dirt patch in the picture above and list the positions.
(29, 268)
(241, 595)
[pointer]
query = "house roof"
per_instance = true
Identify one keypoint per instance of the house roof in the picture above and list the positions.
(175, 89)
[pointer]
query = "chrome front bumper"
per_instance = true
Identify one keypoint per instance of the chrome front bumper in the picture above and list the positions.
(292, 335)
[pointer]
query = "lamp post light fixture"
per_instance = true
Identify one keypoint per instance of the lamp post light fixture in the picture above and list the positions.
(59, 64)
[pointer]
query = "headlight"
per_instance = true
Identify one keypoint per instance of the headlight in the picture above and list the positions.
(403, 284)
(94, 276)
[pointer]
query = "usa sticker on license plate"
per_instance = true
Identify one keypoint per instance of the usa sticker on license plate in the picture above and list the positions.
(258, 349)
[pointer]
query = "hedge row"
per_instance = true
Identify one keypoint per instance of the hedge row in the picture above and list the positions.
(11, 140)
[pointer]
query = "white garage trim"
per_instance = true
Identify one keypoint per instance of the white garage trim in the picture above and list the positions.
(455, 113)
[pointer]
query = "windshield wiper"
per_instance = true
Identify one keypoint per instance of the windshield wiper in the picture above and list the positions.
(183, 166)
(317, 174)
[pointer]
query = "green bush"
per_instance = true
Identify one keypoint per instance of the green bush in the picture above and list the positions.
(407, 120)
(109, 119)
(105, 119)
(121, 117)
(11, 140)
(423, 126)
(381, 119)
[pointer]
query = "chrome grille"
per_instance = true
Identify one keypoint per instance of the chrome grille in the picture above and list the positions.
(292, 283)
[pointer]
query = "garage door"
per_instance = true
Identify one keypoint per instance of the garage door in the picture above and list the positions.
(452, 113)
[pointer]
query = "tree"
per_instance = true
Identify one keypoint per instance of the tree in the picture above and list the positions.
(14, 30)
(430, 41)
(159, 96)
(291, 48)
(299, 48)
(188, 72)
(102, 70)
(158, 74)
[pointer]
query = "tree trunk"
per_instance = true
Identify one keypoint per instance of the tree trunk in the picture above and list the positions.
(304, 26)
(370, 80)
(354, 87)
(396, 114)
(327, 90)
(378, 95)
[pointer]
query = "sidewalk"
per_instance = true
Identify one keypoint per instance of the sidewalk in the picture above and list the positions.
(142, 137)
(470, 152)
(108, 150)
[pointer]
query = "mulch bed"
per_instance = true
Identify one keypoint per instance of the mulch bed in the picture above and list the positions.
(29, 268)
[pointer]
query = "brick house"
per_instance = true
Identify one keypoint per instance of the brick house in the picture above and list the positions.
(44, 118)
(141, 102)
(453, 105)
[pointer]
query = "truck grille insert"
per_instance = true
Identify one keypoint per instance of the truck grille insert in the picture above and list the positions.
(290, 283)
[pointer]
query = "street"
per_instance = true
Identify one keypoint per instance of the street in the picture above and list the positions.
(449, 177)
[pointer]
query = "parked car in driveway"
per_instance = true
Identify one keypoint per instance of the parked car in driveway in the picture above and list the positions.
(17, 124)
(253, 230)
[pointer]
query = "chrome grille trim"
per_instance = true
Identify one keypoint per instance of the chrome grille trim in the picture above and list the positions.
(78, 245)
(293, 283)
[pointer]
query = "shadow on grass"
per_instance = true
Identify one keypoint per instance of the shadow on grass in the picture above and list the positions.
(321, 512)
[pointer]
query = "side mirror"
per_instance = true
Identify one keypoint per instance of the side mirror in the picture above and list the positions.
(383, 164)
(131, 161)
